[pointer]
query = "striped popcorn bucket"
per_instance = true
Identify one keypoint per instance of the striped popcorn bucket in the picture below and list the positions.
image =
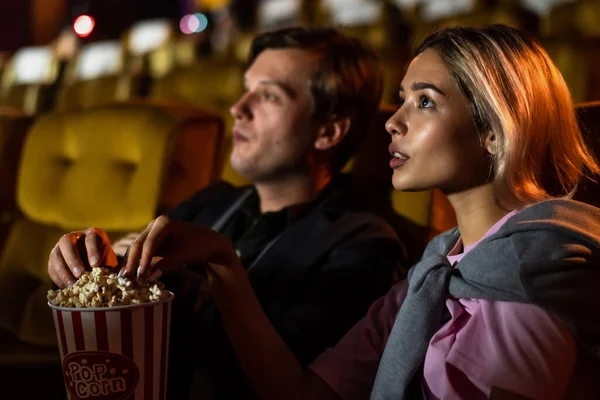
(115, 353)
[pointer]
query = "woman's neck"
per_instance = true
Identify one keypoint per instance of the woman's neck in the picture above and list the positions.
(476, 212)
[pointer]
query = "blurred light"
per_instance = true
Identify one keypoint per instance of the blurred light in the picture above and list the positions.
(84, 25)
(193, 23)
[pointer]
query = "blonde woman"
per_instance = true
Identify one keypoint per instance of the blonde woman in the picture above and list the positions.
(504, 306)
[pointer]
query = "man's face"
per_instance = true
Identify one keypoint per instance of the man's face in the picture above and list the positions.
(273, 133)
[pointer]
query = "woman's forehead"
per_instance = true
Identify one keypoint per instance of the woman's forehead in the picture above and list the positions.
(429, 67)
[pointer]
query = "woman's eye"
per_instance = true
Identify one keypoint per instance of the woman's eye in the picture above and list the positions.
(400, 101)
(426, 102)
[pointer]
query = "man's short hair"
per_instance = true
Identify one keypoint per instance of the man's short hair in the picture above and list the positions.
(347, 82)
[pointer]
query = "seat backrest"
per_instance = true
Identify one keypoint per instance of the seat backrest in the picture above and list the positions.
(116, 166)
(13, 131)
(210, 84)
(589, 121)
(197, 152)
(572, 18)
(102, 167)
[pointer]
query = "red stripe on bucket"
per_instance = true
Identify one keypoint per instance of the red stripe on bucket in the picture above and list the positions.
(149, 352)
(163, 349)
(126, 334)
(61, 331)
(78, 331)
(101, 330)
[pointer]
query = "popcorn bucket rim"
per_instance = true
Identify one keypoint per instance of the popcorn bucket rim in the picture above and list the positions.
(169, 298)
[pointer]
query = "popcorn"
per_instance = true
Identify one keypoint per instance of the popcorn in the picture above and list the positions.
(101, 287)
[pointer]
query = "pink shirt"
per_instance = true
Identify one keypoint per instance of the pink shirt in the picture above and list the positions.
(513, 346)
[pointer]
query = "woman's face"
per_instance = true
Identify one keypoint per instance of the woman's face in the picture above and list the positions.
(434, 140)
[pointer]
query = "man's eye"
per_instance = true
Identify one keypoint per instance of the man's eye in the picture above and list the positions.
(270, 97)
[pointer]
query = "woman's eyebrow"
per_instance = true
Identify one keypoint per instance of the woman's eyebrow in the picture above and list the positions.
(424, 85)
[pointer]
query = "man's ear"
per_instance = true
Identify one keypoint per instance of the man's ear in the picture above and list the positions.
(490, 143)
(332, 132)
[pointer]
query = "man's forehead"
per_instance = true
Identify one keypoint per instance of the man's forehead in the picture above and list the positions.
(290, 66)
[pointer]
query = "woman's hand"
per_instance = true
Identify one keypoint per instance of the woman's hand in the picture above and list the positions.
(167, 245)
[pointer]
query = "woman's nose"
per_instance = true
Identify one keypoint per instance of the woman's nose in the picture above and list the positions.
(395, 125)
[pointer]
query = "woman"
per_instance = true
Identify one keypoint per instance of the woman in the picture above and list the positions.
(486, 117)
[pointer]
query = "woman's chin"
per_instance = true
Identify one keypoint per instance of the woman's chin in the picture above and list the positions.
(401, 184)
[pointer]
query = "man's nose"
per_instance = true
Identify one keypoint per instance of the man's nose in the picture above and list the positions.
(241, 108)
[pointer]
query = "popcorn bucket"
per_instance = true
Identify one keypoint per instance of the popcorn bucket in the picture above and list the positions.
(115, 353)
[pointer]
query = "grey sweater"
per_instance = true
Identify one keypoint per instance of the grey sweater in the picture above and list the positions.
(548, 255)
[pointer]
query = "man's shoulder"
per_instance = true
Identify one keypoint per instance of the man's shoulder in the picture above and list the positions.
(338, 210)
(218, 191)
(219, 194)
(328, 229)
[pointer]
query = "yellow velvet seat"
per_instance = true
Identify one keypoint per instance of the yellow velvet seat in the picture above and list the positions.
(110, 167)
(13, 130)
(212, 84)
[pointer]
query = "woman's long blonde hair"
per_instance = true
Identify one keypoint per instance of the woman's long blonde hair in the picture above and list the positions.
(517, 93)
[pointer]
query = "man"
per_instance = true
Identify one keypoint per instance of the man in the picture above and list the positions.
(314, 261)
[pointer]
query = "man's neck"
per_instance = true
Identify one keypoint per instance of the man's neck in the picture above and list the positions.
(277, 194)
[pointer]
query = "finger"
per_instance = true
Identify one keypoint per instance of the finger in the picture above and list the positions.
(134, 253)
(121, 246)
(51, 266)
(155, 272)
(70, 254)
(161, 266)
(159, 232)
(94, 246)
(59, 270)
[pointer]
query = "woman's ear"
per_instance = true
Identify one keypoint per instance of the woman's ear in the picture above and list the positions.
(332, 132)
(490, 143)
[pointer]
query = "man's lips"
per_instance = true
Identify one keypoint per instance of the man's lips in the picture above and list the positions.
(239, 137)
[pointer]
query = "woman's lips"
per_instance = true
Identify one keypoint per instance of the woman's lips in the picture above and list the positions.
(398, 162)
(399, 158)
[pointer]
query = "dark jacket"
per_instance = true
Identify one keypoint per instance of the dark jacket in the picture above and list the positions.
(314, 282)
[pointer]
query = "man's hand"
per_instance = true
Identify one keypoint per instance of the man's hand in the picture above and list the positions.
(77, 251)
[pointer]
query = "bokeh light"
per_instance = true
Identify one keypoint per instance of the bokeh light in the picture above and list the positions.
(193, 23)
(84, 25)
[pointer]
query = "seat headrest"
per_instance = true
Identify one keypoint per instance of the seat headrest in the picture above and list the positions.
(353, 12)
(149, 35)
(33, 65)
(278, 13)
(100, 59)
